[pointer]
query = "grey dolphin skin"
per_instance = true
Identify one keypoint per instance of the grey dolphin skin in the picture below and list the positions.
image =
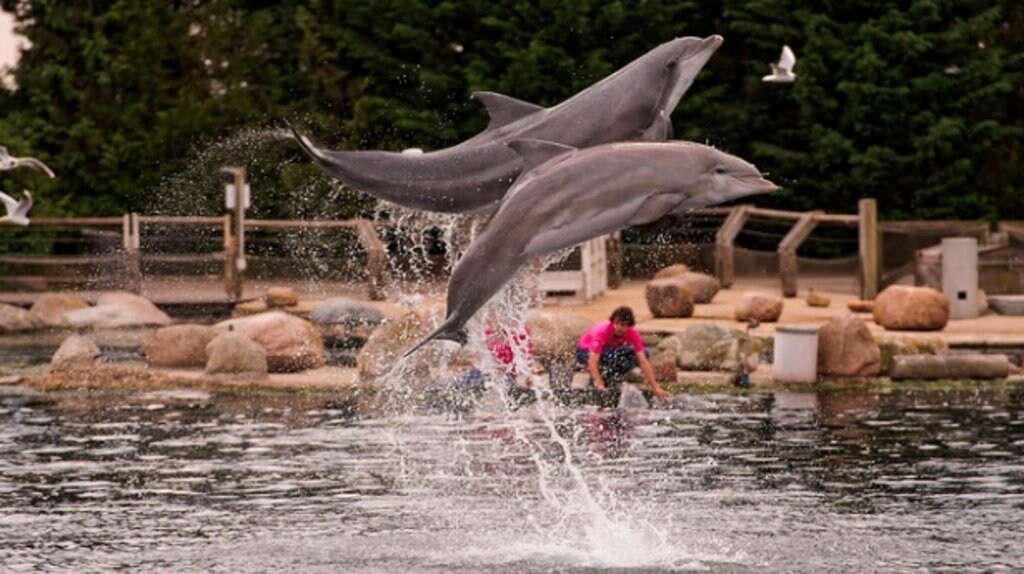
(634, 103)
(568, 196)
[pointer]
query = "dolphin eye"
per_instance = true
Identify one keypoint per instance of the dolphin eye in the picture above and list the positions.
(720, 170)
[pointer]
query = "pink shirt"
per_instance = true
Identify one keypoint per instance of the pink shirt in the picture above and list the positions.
(602, 335)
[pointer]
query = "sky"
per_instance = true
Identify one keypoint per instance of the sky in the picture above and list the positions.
(8, 41)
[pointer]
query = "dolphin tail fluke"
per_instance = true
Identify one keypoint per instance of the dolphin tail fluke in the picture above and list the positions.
(447, 332)
(306, 145)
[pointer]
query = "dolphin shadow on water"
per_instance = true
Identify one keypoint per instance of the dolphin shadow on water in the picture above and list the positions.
(632, 104)
(567, 196)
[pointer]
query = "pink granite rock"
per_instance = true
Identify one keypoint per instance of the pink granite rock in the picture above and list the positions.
(906, 308)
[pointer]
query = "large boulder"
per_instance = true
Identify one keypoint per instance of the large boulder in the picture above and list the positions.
(291, 343)
(671, 271)
(951, 366)
(232, 353)
(50, 307)
(555, 335)
(384, 350)
(345, 311)
(14, 319)
(712, 347)
(177, 345)
(669, 297)
(759, 306)
(702, 286)
(117, 309)
(846, 347)
(906, 308)
(76, 352)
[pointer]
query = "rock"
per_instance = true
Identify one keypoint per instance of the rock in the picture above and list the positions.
(817, 300)
(846, 347)
(277, 297)
(76, 352)
(669, 297)
(663, 362)
(232, 353)
(345, 311)
(385, 347)
(49, 308)
(711, 347)
(892, 347)
(117, 309)
(177, 345)
(950, 366)
(702, 286)
(861, 306)
(554, 337)
(760, 306)
(291, 343)
(905, 308)
(671, 271)
(14, 319)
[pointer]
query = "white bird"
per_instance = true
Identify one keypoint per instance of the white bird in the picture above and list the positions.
(17, 211)
(8, 163)
(783, 70)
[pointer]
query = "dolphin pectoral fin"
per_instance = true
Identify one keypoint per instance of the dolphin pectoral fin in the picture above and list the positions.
(446, 332)
(504, 109)
(653, 208)
(660, 129)
(536, 152)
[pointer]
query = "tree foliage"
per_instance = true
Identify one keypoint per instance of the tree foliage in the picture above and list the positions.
(915, 102)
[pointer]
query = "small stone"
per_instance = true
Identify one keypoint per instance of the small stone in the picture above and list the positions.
(277, 297)
(760, 306)
(817, 300)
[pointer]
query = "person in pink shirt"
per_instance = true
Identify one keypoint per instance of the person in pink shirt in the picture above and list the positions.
(611, 348)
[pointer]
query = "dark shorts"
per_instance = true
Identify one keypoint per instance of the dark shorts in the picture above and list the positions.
(614, 363)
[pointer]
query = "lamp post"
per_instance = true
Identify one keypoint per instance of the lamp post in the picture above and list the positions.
(237, 199)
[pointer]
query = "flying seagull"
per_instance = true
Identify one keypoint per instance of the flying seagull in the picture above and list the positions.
(17, 211)
(783, 71)
(8, 163)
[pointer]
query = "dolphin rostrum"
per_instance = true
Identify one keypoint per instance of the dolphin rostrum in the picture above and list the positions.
(634, 103)
(7, 162)
(573, 195)
(17, 211)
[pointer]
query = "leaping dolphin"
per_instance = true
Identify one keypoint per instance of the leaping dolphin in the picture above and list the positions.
(573, 195)
(634, 103)
(7, 162)
(17, 211)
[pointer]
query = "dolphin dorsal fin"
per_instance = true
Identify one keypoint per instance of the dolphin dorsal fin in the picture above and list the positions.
(504, 109)
(536, 152)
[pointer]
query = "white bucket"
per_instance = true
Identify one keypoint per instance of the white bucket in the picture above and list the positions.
(796, 354)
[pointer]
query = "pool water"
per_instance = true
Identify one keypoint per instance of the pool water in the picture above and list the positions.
(900, 480)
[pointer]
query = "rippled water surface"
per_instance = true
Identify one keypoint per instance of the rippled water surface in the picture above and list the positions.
(188, 481)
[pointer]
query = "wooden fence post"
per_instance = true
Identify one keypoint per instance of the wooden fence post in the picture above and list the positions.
(725, 266)
(870, 248)
(376, 257)
(787, 251)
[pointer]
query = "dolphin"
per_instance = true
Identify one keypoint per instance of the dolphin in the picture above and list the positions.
(8, 162)
(567, 196)
(634, 103)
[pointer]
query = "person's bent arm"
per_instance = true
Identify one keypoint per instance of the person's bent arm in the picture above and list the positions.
(648, 370)
(595, 373)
